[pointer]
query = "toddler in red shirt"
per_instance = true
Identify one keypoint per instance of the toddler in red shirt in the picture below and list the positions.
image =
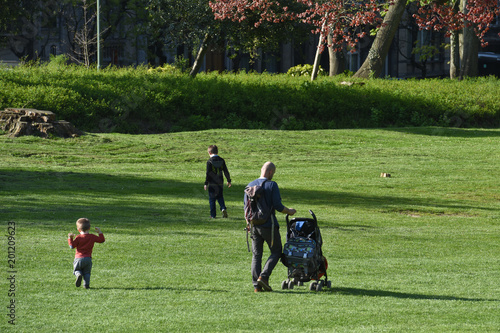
(84, 243)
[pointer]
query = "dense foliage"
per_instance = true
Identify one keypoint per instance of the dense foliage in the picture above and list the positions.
(446, 16)
(138, 100)
(343, 20)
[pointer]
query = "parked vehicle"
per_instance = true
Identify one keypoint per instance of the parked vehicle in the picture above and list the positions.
(489, 64)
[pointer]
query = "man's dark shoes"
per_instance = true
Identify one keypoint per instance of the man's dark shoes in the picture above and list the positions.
(264, 284)
(224, 214)
(78, 282)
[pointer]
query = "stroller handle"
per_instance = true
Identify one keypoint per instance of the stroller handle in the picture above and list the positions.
(313, 215)
(310, 212)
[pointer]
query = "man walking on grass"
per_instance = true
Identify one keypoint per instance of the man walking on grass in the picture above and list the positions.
(264, 232)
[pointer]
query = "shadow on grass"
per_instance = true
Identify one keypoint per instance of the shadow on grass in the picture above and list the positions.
(386, 203)
(177, 289)
(337, 290)
(392, 294)
(58, 196)
(447, 132)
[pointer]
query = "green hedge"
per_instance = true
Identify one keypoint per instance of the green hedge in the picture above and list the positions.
(138, 100)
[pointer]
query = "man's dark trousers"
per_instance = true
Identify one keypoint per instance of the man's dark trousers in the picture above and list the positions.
(259, 236)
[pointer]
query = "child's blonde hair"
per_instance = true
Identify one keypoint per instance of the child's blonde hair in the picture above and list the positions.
(83, 224)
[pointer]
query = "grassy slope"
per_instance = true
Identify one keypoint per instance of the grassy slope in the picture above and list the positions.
(415, 252)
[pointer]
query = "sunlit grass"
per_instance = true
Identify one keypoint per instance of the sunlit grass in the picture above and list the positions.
(416, 252)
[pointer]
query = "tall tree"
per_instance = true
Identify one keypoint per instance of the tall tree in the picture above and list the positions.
(10, 10)
(22, 30)
(466, 22)
(20, 25)
(81, 29)
(374, 63)
(455, 47)
(253, 27)
(342, 20)
(337, 58)
(469, 46)
(205, 44)
(188, 22)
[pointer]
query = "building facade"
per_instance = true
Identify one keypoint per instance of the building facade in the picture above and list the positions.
(413, 53)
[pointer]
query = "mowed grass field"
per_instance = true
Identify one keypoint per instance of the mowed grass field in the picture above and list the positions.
(416, 252)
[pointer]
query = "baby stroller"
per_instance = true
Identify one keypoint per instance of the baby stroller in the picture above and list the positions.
(303, 256)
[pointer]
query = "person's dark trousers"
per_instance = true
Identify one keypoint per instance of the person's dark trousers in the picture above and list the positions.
(215, 194)
(259, 236)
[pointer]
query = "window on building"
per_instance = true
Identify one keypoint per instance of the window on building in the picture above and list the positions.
(427, 46)
(353, 60)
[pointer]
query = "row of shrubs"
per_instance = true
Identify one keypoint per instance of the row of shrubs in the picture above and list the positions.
(142, 100)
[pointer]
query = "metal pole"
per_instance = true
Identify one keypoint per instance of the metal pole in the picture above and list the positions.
(98, 35)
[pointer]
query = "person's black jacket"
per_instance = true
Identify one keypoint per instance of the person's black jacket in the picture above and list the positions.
(216, 168)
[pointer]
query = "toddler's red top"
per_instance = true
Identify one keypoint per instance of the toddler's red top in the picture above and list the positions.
(84, 243)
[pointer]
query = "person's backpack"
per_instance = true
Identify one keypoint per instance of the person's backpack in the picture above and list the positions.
(257, 211)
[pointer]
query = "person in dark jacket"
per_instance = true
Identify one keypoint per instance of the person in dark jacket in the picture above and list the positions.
(267, 232)
(214, 181)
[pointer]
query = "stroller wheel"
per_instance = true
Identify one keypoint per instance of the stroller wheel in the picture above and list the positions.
(329, 284)
(290, 284)
(319, 287)
(313, 285)
(284, 284)
(300, 283)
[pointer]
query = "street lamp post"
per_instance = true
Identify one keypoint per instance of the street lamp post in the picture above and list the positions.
(98, 36)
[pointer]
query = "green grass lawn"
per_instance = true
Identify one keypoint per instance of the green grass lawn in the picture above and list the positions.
(416, 252)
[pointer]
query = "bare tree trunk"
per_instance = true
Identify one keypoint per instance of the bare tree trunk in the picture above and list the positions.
(199, 57)
(317, 58)
(455, 48)
(337, 59)
(83, 41)
(469, 48)
(374, 63)
(454, 55)
(235, 61)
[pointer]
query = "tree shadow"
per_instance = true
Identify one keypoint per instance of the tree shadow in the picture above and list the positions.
(386, 293)
(402, 295)
(176, 289)
(136, 198)
(39, 196)
(378, 202)
(447, 132)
